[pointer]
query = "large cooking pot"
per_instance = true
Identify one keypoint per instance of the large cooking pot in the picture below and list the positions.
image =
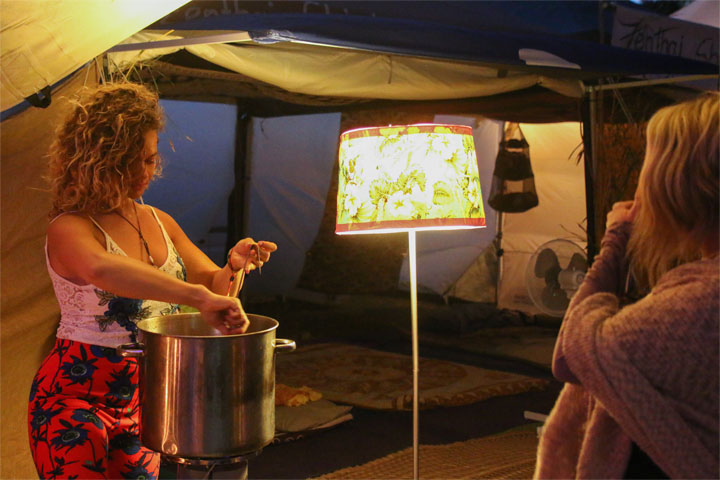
(205, 394)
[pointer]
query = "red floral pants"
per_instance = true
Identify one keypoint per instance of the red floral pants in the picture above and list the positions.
(84, 415)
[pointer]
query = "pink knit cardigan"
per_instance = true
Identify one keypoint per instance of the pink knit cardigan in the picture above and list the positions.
(646, 373)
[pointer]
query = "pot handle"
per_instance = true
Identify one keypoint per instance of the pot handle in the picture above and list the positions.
(284, 345)
(130, 350)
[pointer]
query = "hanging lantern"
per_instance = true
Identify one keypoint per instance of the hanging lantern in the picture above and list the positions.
(513, 184)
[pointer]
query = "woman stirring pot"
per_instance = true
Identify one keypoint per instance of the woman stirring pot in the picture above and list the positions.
(113, 261)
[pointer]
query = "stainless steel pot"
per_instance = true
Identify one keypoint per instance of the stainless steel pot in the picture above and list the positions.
(205, 394)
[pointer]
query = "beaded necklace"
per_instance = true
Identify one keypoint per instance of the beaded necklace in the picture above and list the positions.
(139, 231)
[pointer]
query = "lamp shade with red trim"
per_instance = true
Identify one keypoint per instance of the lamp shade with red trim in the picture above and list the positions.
(408, 177)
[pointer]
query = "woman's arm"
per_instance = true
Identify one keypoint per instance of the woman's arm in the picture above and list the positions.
(607, 274)
(653, 365)
(79, 255)
(202, 270)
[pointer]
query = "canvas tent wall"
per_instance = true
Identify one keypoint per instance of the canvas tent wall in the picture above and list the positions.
(41, 47)
(42, 44)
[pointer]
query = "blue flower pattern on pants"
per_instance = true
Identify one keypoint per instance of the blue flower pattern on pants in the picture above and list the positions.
(84, 415)
(70, 436)
(41, 417)
(79, 370)
(121, 387)
(35, 387)
(127, 442)
(138, 470)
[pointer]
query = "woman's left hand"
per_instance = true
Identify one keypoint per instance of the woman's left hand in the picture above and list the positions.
(244, 254)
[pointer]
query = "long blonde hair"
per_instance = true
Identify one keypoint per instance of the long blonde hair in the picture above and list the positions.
(677, 189)
(97, 152)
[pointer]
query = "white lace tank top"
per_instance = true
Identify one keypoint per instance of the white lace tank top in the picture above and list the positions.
(94, 316)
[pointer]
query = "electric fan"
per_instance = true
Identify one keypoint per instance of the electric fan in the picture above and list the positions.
(554, 273)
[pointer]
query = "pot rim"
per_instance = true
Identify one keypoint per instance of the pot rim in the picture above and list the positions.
(229, 335)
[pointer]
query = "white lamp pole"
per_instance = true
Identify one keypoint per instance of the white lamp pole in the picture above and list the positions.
(415, 357)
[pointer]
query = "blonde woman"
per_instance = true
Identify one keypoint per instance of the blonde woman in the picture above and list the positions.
(641, 393)
(114, 261)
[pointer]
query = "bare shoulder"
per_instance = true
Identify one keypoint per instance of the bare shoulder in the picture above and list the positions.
(70, 224)
(73, 232)
(167, 220)
(74, 245)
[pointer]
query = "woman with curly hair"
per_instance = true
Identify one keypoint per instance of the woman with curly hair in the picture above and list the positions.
(114, 261)
(641, 392)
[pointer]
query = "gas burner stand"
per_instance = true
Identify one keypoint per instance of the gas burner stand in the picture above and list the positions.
(235, 467)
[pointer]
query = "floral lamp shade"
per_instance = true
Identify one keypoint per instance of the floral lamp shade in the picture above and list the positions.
(409, 177)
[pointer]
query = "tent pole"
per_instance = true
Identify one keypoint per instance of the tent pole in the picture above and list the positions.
(237, 202)
(499, 239)
(500, 252)
(590, 141)
(654, 81)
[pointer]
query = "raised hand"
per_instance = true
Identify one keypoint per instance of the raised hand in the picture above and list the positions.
(622, 212)
(249, 255)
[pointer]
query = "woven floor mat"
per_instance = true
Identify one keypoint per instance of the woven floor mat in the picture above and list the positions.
(367, 378)
(508, 455)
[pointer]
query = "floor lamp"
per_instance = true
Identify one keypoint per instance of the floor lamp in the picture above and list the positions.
(408, 178)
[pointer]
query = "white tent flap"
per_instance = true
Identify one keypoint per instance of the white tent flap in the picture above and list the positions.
(291, 165)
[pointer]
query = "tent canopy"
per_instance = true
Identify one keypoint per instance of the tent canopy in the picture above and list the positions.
(278, 56)
(504, 48)
(331, 54)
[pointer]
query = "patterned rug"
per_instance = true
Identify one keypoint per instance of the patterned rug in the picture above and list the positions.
(367, 378)
(507, 455)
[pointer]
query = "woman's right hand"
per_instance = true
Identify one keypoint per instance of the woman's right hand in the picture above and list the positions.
(224, 313)
(249, 254)
(622, 212)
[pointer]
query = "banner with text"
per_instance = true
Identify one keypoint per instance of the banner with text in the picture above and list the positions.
(648, 32)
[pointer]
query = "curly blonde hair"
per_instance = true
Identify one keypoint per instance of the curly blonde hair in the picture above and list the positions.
(677, 189)
(96, 155)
